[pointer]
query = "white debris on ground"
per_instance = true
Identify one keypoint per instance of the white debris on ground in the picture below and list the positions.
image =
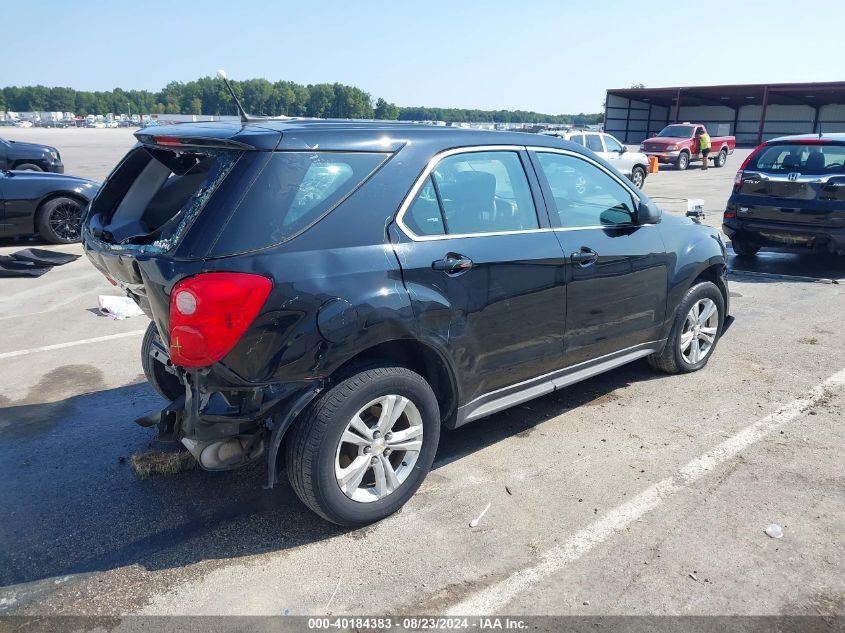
(118, 307)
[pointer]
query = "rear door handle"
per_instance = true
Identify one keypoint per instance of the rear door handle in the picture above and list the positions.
(452, 263)
(584, 257)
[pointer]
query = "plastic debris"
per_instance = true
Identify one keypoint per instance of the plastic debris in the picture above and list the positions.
(694, 577)
(586, 603)
(477, 519)
(775, 531)
(118, 307)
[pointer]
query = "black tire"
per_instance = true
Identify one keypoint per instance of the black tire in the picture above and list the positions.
(27, 167)
(671, 360)
(59, 220)
(638, 177)
(682, 162)
(721, 159)
(311, 446)
(166, 384)
(743, 248)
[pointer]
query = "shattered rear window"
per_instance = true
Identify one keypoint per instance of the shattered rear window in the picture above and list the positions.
(155, 194)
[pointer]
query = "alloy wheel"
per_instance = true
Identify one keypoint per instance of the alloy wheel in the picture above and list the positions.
(66, 221)
(379, 448)
(638, 178)
(698, 335)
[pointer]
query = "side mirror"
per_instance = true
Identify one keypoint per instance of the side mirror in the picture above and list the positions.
(623, 150)
(648, 213)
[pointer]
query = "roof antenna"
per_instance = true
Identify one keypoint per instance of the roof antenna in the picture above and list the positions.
(244, 116)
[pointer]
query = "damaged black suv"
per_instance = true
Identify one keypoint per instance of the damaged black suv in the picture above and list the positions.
(326, 295)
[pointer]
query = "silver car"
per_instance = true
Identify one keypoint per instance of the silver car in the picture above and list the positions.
(633, 164)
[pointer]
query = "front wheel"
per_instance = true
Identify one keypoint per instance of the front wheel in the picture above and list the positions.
(682, 162)
(721, 158)
(28, 167)
(638, 177)
(695, 332)
(365, 446)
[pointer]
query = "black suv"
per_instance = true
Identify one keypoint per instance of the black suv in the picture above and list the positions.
(325, 295)
(790, 193)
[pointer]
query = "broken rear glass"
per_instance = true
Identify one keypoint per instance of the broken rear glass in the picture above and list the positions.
(155, 194)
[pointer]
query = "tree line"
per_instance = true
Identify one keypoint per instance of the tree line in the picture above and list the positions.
(260, 97)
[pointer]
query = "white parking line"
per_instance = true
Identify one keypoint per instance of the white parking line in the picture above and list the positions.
(493, 598)
(47, 348)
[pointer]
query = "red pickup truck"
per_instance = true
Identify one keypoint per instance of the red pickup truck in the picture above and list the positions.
(677, 144)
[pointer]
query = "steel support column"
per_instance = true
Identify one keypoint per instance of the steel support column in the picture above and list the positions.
(763, 115)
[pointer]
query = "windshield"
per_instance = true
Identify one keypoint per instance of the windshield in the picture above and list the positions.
(677, 131)
(810, 158)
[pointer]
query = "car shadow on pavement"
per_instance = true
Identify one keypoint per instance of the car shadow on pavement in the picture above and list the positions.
(72, 504)
(781, 266)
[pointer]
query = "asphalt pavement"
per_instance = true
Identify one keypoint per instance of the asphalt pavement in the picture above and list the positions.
(630, 493)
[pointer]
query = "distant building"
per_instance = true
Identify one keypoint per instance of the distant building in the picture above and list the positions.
(752, 112)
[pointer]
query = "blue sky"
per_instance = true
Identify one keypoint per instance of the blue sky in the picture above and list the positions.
(551, 57)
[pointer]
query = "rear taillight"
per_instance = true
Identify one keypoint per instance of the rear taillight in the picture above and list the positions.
(738, 177)
(730, 214)
(210, 312)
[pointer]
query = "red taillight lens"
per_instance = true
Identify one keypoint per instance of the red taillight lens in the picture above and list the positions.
(729, 214)
(738, 177)
(210, 312)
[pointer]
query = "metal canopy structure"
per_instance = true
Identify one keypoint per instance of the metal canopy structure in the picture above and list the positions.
(751, 112)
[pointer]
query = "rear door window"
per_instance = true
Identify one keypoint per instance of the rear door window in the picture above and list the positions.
(594, 142)
(484, 192)
(292, 191)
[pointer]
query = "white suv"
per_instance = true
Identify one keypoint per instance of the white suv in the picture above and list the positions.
(633, 164)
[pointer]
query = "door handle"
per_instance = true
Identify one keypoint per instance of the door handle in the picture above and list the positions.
(584, 257)
(452, 263)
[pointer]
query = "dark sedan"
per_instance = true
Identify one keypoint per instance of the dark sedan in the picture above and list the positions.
(790, 193)
(48, 204)
(30, 157)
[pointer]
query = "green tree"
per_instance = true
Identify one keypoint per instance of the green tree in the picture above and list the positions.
(385, 110)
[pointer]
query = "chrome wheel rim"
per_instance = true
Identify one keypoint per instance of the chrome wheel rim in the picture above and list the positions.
(379, 448)
(698, 335)
(638, 179)
(66, 221)
(682, 163)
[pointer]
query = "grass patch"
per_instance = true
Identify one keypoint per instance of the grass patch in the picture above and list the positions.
(153, 463)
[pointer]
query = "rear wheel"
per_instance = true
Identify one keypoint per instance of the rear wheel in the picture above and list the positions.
(59, 220)
(28, 167)
(365, 446)
(695, 332)
(682, 162)
(168, 385)
(638, 177)
(744, 248)
(721, 159)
